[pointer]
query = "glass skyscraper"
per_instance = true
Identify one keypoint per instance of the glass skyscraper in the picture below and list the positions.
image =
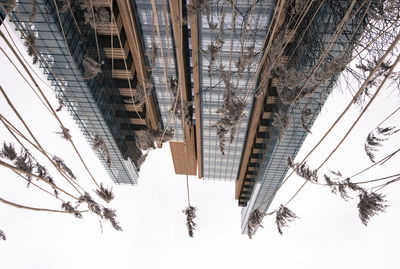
(221, 75)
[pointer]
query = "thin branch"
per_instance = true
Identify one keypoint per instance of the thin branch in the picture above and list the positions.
(34, 208)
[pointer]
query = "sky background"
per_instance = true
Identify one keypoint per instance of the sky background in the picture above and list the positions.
(328, 233)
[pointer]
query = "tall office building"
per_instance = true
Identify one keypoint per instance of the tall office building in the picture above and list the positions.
(239, 82)
(319, 48)
(94, 65)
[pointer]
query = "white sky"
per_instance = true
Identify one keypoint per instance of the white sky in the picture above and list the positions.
(327, 235)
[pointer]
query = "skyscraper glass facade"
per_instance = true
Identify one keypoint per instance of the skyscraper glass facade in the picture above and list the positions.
(274, 169)
(325, 51)
(85, 98)
(246, 34)
(165, 97)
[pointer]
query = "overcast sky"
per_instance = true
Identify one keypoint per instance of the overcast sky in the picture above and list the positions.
(328, 234)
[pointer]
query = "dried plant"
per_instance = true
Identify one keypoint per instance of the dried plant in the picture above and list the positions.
(105, 193)
(221, 133)
(8, 152)
(92, 205)
(263, 85)
(25, 162)
(99, 144)
(203, 6)
(197, 6)
(3, 235)
(283, 216)
(88, 13)
(213, 50)
(64, 6)
(187, 115)
(102, 14)
(272, 62)
(65, 133)
(210, 21)
(33, 10)
(289, 162)
(281, 121)
(190, 213)
(61, 164)
(143, 93)
(153, 55)
(101, 211)
(294, 85)
(291, 84)
(341, 186)
(93, 14)
(30, 44)
(254, 222)
(306, 114)
(221, 33)
(370, 204)
(141, 160)
(43, 173)
(173, 85)
(60, 104)
(9, 5)
(168, 135)
(303, 170)
(337, 187)
(366, 66)
(245, 60)
(91, 67)
(41, 170)
(177, 108)
(110, 215)
(374, 139)
(146, 139)
(67, 207)
(232, 111)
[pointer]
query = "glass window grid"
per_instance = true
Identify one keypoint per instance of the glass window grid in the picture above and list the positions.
(53, 47)
(212, 92)
(164, 97)
(274, 169)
